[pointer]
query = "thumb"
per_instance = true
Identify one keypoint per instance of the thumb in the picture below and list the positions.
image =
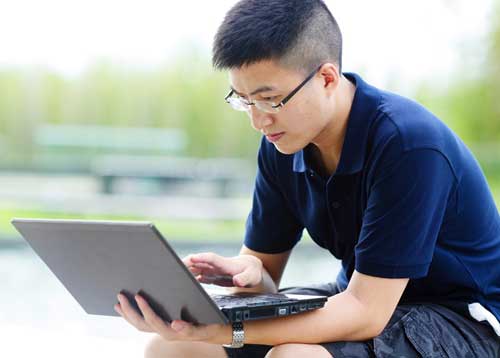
(245, 278)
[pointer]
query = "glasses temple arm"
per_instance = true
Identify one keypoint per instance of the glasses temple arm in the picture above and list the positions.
(287, 98)
(229, 95)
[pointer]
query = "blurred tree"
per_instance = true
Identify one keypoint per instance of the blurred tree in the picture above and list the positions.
(469, 102)
(185, 94)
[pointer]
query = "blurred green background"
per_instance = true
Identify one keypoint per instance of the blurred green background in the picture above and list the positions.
(89, 88)
(187, 96)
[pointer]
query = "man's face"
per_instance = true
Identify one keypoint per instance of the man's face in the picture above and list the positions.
(300, 121)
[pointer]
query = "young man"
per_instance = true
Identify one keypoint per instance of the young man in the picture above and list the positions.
(375, 179)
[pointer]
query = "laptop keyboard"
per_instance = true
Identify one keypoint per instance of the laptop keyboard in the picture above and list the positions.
(251, 300)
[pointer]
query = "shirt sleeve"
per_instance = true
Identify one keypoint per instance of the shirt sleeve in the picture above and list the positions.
(271, 226)
(406, 205)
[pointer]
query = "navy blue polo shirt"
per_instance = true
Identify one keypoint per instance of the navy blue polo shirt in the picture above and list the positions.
(407, 200)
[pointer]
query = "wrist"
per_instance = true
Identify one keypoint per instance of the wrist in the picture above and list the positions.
(224, 335)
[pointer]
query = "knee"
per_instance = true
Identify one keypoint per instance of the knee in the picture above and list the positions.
(283, 350)
(157, 347)
(291, 350)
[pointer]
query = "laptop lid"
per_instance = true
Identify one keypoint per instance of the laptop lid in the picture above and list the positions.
(95, 260)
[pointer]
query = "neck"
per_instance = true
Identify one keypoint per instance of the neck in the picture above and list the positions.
(329, 143)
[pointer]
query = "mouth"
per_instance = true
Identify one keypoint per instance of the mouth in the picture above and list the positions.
(274, 137)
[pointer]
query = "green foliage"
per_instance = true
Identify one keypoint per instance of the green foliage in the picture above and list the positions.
(469, 103)
(185, 94)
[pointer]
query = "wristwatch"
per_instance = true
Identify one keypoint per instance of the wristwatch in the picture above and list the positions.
(238, 336)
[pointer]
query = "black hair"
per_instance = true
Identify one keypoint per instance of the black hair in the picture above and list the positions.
(300, 34)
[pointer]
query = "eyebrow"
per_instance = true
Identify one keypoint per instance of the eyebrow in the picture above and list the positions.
(257, 91)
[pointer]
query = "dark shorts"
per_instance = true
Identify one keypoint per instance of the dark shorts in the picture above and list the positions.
(419, 330)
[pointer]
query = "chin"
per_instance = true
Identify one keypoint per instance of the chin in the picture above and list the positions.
(285, 149)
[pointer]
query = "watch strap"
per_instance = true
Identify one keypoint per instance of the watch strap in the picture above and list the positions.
(238, 336)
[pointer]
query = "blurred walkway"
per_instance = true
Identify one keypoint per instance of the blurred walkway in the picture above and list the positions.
(80, 194)
(24, 341)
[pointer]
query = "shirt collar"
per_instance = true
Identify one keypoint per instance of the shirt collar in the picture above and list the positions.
(352, 158)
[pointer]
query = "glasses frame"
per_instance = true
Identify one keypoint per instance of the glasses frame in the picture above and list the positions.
(275, 107)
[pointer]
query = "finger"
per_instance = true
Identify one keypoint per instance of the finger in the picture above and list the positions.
(169, 331)
(195, 271)
(195, 268)
(202, 269)
(131, 315)
(208, 270)
(187, 260)
(150, 317)
(216, 261)
(203, 266)
(118, 310)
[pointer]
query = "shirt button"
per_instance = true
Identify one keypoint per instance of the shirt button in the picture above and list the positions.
(335, 205)
(311, 174)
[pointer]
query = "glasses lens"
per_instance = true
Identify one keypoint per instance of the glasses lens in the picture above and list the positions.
(267, 107)
(237, 104)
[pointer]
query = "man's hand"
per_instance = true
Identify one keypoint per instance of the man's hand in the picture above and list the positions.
(177, 330)
(239, 271)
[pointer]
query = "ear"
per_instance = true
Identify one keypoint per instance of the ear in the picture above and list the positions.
(330, 75)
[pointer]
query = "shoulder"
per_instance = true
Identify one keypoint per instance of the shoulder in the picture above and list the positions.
(415, 126)
(403, 126)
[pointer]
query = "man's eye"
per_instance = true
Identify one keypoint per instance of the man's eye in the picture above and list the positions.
(243, 98)
(269, 98)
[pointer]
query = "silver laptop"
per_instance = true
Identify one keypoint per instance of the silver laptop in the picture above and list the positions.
(95, 260)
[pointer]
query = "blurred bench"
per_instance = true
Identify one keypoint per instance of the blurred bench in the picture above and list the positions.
(221, 172)
(114, 153)
(110, 139)
(73, 148)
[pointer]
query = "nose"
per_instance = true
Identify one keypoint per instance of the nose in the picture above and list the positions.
(259, 118)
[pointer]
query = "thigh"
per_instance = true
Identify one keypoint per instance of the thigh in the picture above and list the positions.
(436, 331)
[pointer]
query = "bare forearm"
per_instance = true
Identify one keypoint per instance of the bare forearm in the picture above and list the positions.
(342, 319)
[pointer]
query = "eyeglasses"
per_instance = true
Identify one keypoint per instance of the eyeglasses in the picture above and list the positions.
(240, 104)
